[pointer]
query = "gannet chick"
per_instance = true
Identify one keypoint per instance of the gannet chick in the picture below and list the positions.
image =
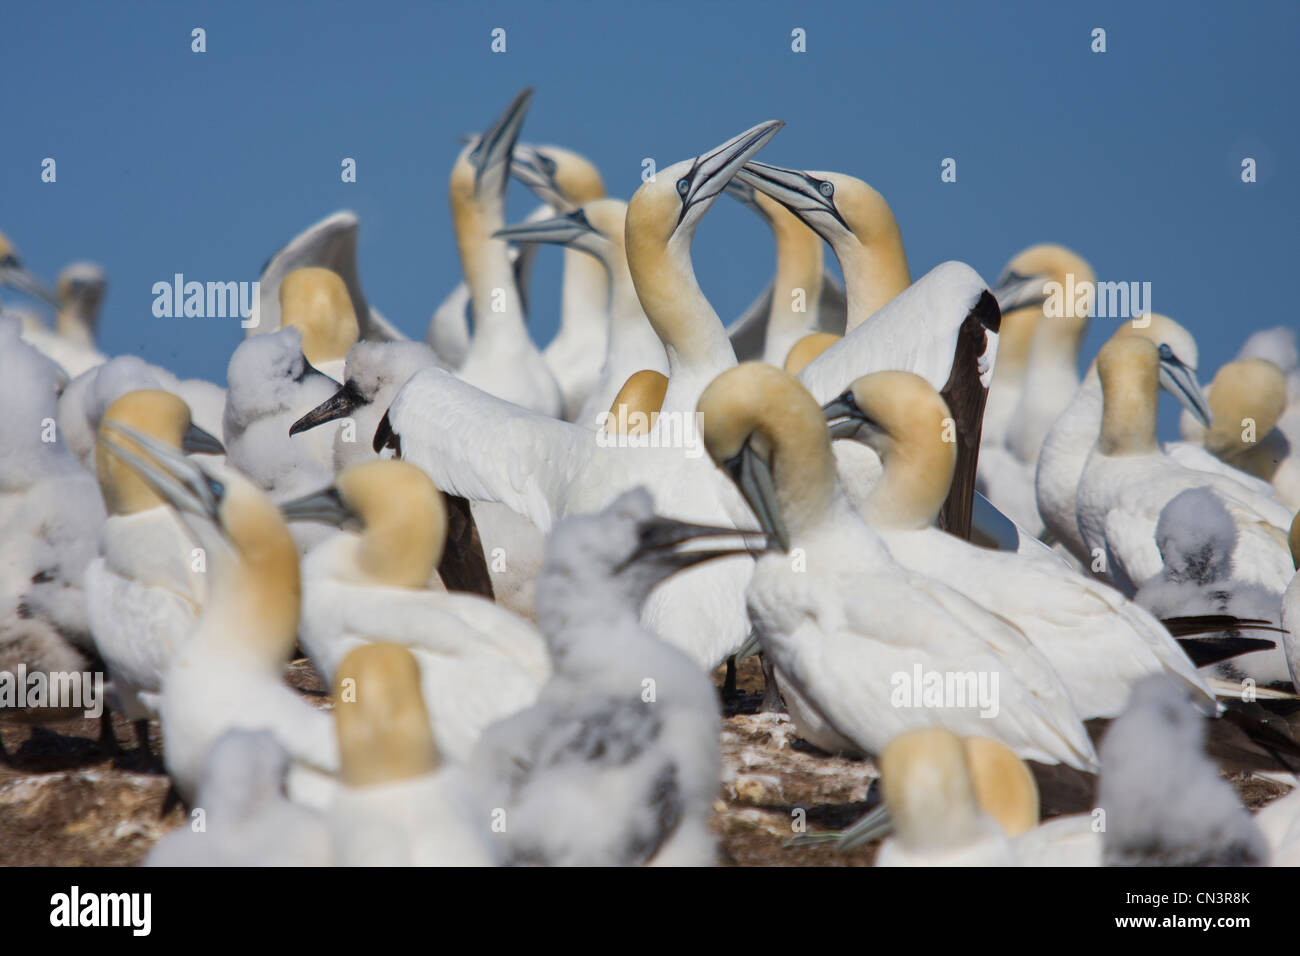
(1197, 538)
(315, 302)
(247, 820)
(629, 342)
(80, 291)
(1165, 803)
(636, 406)
(501, 359)
(847, 628)
(397, 804)
(229, 673)
(1097, 641)
(83, 403)
(478, 662)
(50, 516)
(617, 763)
(144, 590)
(1127, 481)
(272, 385)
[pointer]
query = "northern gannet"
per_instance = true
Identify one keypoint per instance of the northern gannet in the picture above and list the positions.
(229, 673)
(617, 763)
(1099, 643)
(501, 359)
(247, 820)
(847, 628)
(1128, 480)
(543, 468)
(15, 275)
(596, 229)
(397, 805)
(80, 290)
(315, 302)
(1067, 446)
(145, 588)
(807, 349)
(478, 662)
(635, 408)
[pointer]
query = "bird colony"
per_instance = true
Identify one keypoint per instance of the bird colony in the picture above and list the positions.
(524, 580)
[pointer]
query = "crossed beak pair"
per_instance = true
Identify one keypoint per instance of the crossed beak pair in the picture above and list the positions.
(182, 483)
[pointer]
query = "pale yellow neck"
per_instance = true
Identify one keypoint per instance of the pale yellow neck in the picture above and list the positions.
(873, 273)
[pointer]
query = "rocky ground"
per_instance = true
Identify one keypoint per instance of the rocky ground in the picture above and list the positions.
(67, 800)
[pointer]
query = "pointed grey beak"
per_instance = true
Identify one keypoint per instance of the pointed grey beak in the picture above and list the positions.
(196, 441)
(1179, 380)
(1015, 291)
(325, 506)
(843, 417)
(338, 405)
(713, 170)
(14, 275)
(801, 193)
(182, 483)
(491, 155)
(660, 539)
(569, 229)
(536, 170)
(753, 476)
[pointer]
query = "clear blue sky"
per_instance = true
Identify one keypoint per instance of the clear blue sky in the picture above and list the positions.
(171, 161)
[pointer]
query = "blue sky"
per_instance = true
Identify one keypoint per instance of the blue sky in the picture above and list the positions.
(171, 161)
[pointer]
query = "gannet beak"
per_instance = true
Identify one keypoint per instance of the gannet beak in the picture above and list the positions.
(1015, 291)
(491, 155)
(1179, 380)
(844, 419)
(15, 275)
(802, 194)
(753, 476)
(180, 482)
(325, 506)
(569, 229)
(711, 171)
(385, 437)
(341, 403)
(661, 537)
(196, 441)
(536, 170)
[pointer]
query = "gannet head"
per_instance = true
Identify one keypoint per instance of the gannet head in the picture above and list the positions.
(638, 402)
(160, 415)
(573, 229)
(763, 428)
(1196, 537)
(80, 289)
(1129, 367)
(380, 717)
(808, 348)
(251, 558)
(1245, 390)
(925, 780)
(481, 172)
(266, 373)
(316, 302)
(1004, 787)
(372, 368)
(15, 275)
(402, 513)
(558, 177)
(1178, 359)
(841, 209)
(907, 423)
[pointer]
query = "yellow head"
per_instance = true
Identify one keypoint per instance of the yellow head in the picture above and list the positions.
(380, 718)
(156, 413)
(316, 302)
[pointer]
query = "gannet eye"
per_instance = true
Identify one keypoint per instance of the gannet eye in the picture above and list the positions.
(217, 488)
(683, 186)
(826, 189)
(1166, 353)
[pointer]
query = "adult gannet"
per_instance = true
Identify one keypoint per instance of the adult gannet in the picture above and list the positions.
(501, 359)
(795, 293)
(478, 662)
(543, 469)
(315, 302)
(229, 673)
(1127, 480)
(15, 275)
(1068, 443)
(397, 805)
(617, 763)
(329, 244)
(80, 290)
(145, 588)
(247, 820)
(1098, 642)
(1164, 800)
(596, 230)
(847, 627)
(50, 516)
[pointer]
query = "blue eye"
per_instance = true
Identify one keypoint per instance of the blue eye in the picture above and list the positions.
(826, 189)
(217, 488)
(1166, 353)
(683, 186)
